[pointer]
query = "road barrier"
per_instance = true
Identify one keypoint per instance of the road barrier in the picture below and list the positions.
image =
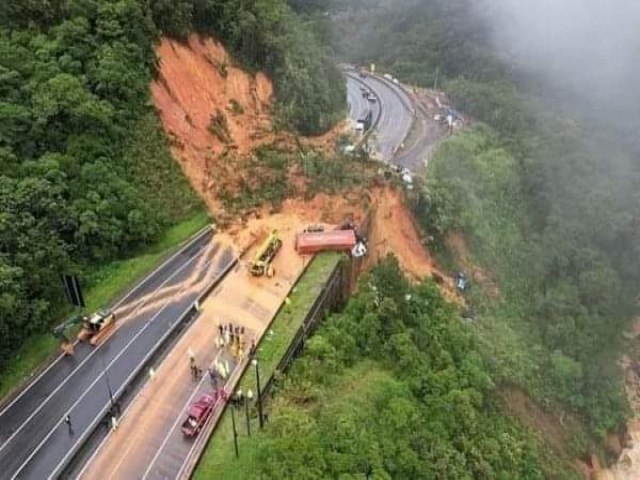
(141, 368)
(15, 395)
(374, 124)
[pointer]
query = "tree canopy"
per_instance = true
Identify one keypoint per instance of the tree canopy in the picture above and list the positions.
(85, 172)
(545, 192)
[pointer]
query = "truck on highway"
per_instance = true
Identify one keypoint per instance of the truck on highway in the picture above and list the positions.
(198, 414)
(337, 240)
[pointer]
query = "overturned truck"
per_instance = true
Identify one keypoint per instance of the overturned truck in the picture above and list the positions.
(336, 240)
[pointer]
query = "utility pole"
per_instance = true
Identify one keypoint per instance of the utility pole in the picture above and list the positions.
(106, 377)
(235, 432)
(246, 410)
(435, 83)
(254, 362)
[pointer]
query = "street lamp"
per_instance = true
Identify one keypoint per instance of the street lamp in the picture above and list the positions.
(106, 377)
(233, 424)
(246, 410)
(254, 362)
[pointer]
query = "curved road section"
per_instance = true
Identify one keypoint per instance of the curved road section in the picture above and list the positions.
(396, 112)
(35, 441)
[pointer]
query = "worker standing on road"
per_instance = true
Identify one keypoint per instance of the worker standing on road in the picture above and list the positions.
(192, 357)
(67, 420)
(114, 423)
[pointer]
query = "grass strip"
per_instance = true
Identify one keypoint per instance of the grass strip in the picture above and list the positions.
(219, 460)
(109, 281)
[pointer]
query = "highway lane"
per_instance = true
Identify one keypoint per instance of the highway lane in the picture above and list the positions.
(358, 105)
(60, 372)
(30, 426)
(93, 395)
(396, 114)
(34, 396)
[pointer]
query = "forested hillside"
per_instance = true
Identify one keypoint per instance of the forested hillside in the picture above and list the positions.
(85, 172)
(545, 193)
(391, 387)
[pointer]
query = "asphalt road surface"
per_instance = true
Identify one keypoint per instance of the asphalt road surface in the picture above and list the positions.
(358, 105)
(35, 442)
(396, 113)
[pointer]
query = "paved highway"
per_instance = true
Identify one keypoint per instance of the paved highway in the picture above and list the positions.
(396, 113)
(358, 105)
(34, 440)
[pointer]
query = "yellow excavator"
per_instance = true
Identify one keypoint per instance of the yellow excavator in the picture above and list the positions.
(261, 264)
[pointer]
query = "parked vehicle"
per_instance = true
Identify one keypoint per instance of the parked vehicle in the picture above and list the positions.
(262, 262)
(199, 412)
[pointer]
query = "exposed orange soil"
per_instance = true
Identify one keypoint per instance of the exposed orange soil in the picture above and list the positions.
(245, 301)
(394, 230)
(196, 80)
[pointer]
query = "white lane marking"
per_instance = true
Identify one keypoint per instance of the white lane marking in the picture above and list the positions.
(42, 404)
(87, 390)
(124, 385)
(175, 423)
(118, 303)
(236, 373)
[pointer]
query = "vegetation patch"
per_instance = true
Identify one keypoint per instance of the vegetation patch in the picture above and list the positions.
(392, 387)
(104, 284)
(235, 107)
(219, 127)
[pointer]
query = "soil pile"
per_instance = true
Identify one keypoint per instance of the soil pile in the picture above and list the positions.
(210, 109)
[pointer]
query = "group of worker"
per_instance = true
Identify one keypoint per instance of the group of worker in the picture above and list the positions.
(233, 338)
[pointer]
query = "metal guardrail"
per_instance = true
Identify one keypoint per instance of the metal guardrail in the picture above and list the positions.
(374, 125)
(195, 455)
(394, 87)
(42, 369)
(186, 315)
(325, 301)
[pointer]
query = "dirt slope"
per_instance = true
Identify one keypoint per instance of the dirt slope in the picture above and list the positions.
(196, 82)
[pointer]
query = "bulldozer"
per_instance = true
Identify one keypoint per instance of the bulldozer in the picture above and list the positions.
(261, 264)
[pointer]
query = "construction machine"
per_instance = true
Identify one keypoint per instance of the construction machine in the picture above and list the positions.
(261, 264)
(96, 327)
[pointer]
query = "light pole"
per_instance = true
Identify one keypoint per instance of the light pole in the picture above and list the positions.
(254, 362)
(246, 410)
(235, 432)
(106, 377)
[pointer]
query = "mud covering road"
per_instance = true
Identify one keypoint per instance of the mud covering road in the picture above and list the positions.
(149, 443)
(36, 442)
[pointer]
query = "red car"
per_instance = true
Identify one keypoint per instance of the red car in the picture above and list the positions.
(198, 414)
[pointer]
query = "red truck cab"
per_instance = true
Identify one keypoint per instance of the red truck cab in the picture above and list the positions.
(197, 416)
